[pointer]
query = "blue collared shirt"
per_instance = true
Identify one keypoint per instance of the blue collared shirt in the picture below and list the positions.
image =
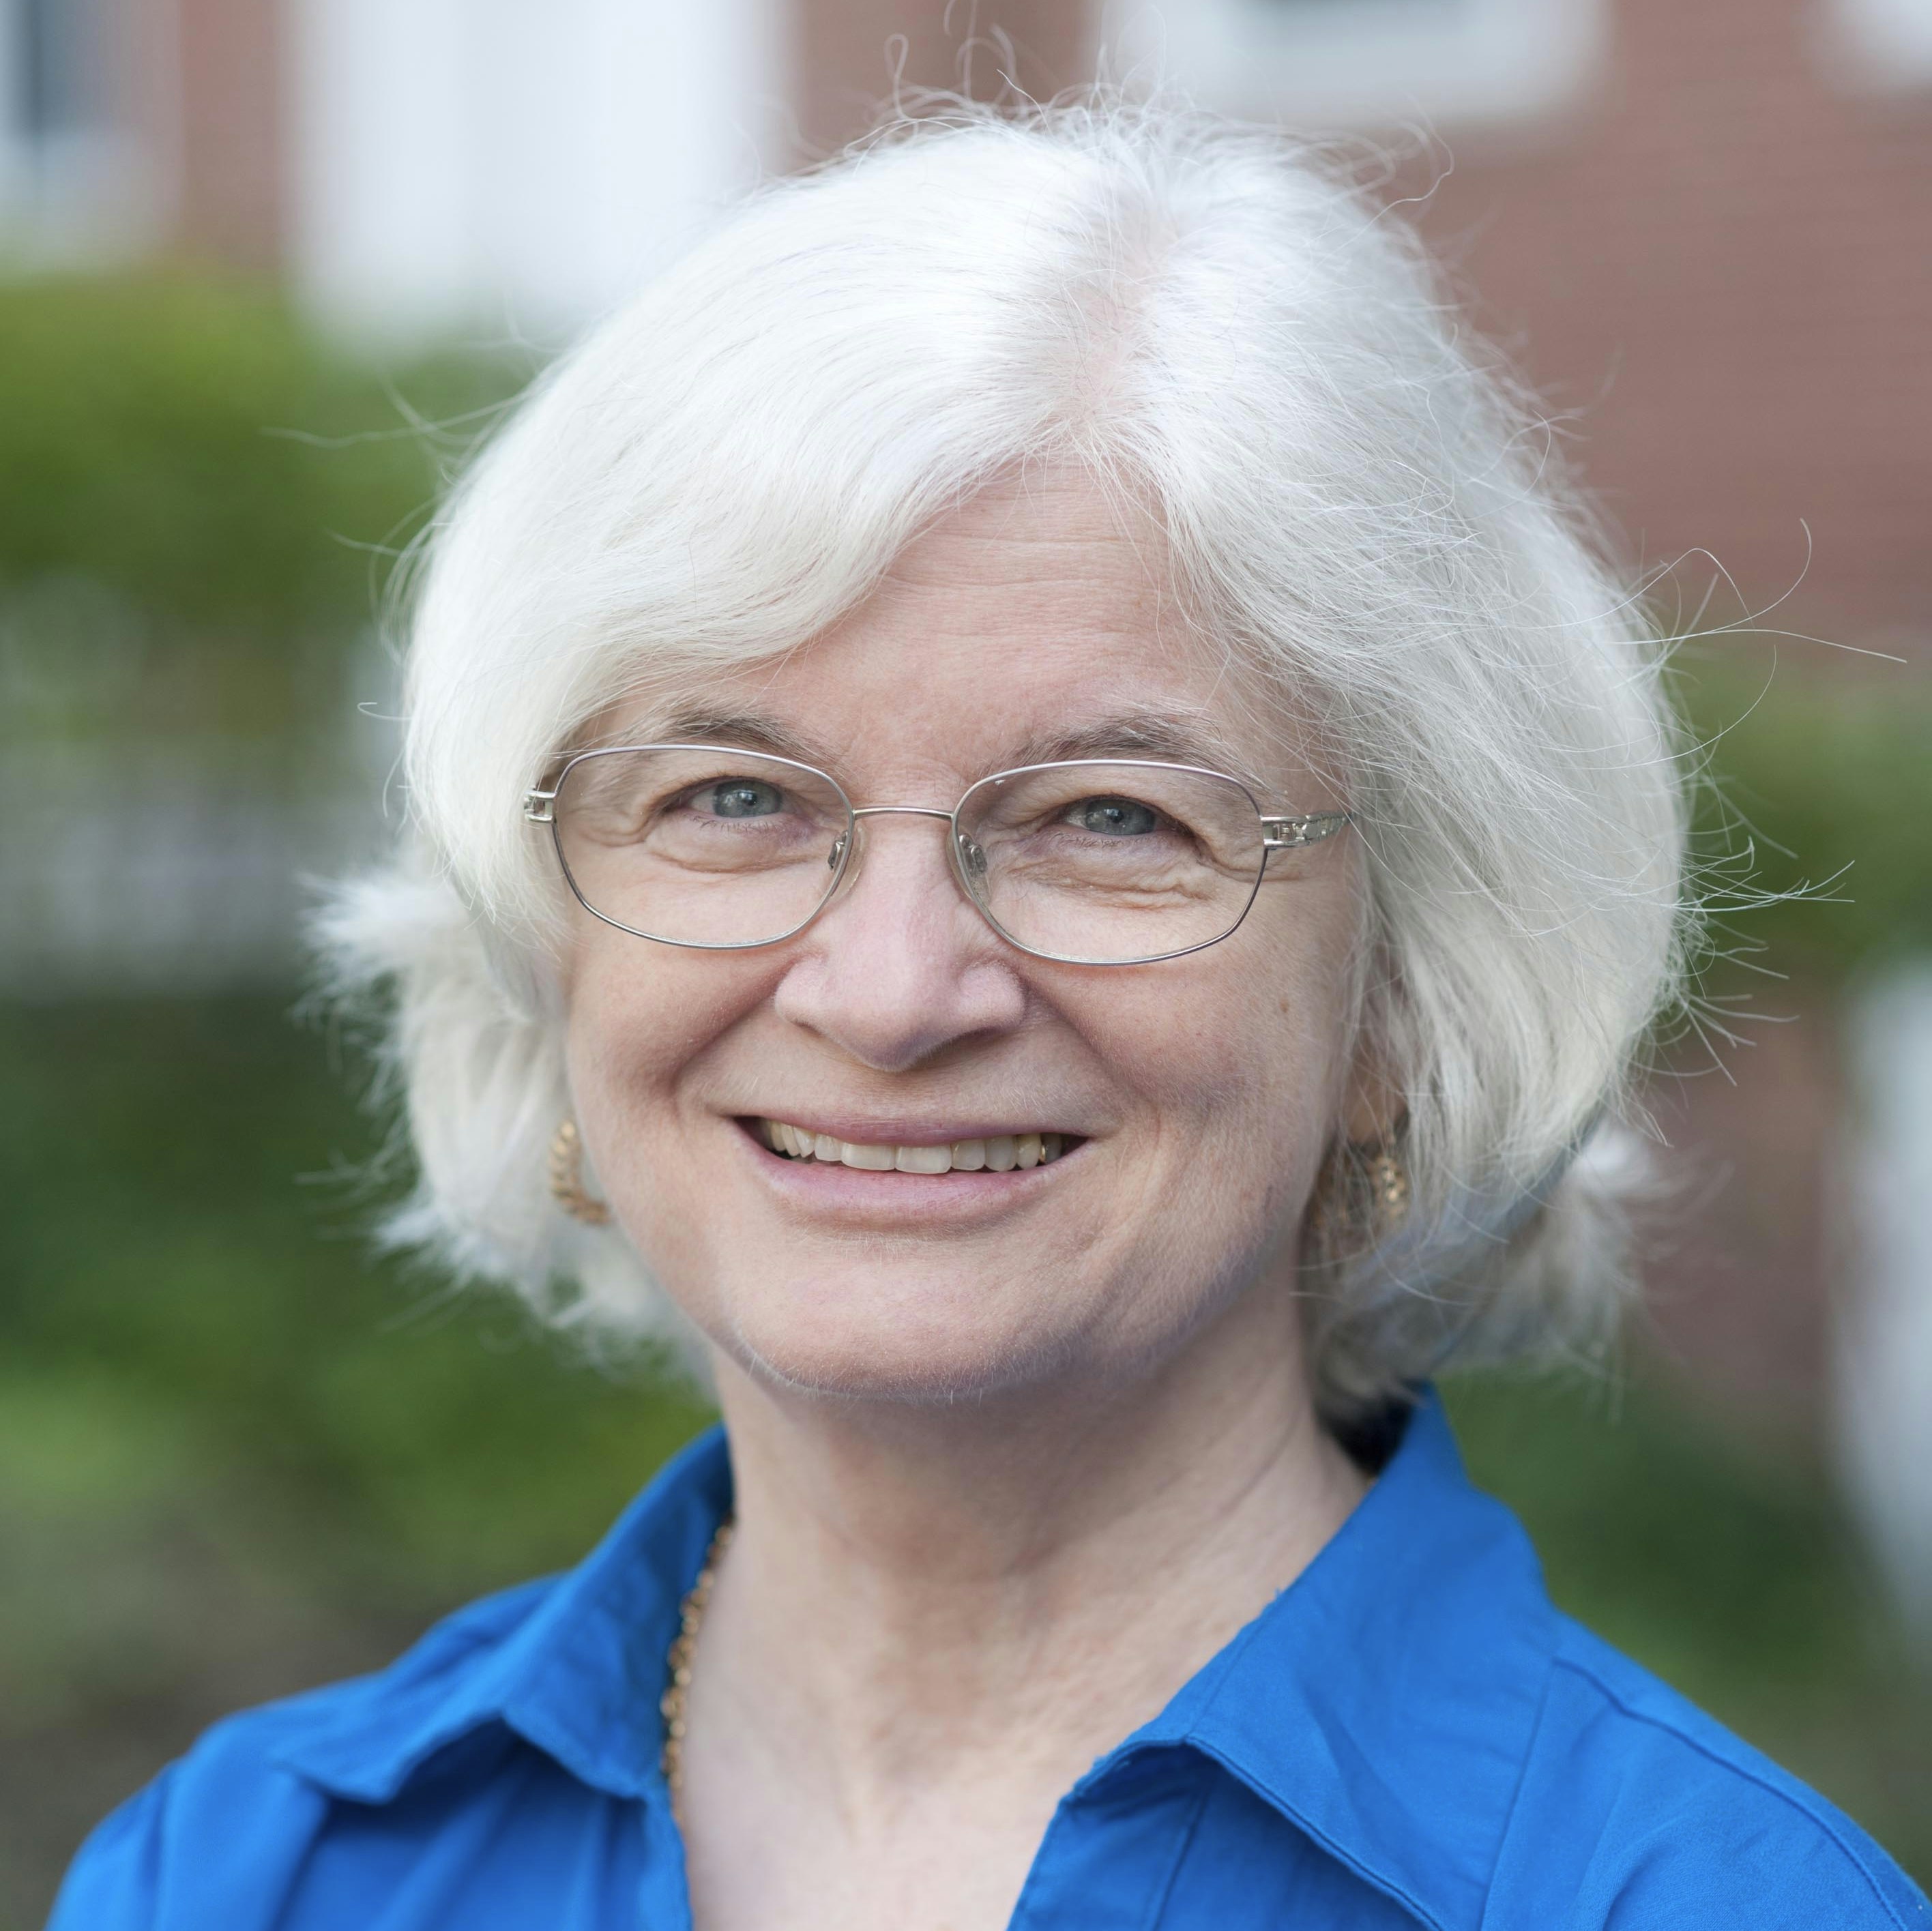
(1409, 1735)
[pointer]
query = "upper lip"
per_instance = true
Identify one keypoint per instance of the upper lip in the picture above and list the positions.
(901, 1131)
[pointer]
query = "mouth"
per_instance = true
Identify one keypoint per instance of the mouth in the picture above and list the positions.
(996, 1153)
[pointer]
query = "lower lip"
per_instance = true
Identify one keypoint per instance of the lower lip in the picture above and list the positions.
(860, 1193)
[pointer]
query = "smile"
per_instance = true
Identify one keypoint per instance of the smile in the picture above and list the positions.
(1000, 1153)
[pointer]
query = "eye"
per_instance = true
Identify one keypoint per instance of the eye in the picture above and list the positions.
(743, 797)
(1113, 817)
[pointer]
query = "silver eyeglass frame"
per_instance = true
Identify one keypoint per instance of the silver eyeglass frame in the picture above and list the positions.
(1279, 833)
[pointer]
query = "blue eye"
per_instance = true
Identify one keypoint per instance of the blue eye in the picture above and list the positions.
(746, 798)
(1114, 817)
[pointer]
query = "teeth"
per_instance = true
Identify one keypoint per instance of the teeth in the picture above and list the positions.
(1001, 1154)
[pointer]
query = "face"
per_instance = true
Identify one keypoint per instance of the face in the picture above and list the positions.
(1194, 1097)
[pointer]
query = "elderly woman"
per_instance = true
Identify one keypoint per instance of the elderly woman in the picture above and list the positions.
(1035, 838)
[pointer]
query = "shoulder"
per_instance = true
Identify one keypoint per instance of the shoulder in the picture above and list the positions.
(219, 1837)
(1637, 1809)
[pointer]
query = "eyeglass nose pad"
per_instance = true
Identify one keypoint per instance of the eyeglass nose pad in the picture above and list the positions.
(844, 862)
(972, 858)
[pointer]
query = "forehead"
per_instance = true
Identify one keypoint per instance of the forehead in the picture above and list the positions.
(1037, 620)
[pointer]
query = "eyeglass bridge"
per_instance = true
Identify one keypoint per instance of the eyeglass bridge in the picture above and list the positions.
(970, 854)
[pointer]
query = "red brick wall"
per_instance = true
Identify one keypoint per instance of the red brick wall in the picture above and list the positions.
(1742, 1258)
(1721, 259)
(232, 130)
(848, 51)
(1724, 260)
(199, 88)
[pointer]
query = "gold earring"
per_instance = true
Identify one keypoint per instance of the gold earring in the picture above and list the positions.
(566, 1178)
(1362, 1195)
(1388, 1186)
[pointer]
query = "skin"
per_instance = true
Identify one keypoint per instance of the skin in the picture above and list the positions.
(1014, 1458)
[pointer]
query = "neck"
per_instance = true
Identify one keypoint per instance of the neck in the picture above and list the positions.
(1022, 1580)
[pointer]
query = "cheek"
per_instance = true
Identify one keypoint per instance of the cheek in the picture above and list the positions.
(1239, 1077)
(1235, 1083)
(640, 1016)
(618, 1033)
(1250, 1051)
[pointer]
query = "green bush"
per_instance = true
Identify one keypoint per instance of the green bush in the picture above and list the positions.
(1820, 785)
(229, 493)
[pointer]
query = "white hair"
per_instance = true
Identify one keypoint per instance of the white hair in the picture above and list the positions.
(1211, 317)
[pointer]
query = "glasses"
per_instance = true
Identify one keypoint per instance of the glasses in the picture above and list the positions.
(1092, 862)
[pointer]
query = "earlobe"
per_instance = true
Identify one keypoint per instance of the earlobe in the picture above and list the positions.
(1362, 1195)
(1374, 1109)
(1362, 1192)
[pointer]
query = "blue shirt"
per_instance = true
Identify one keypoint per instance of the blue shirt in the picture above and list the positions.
(1409, 1735)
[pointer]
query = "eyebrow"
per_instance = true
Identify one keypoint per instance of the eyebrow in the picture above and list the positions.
(1130, 734)
(744, 730)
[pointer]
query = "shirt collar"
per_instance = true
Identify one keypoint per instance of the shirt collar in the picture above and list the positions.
(1383, 1703)
(578, 1672)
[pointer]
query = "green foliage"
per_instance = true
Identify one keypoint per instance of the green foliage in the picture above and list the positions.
(192, 1242)
(1822, 786)
(229, 493)
(139, 452)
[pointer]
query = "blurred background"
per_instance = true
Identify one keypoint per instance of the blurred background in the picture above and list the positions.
(268, 267)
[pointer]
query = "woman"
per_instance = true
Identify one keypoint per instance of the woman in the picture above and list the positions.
(1035, 838)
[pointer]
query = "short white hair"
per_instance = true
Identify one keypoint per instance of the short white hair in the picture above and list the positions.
(1355, 499)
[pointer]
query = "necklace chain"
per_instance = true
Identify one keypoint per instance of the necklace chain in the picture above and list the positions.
(683, 1650)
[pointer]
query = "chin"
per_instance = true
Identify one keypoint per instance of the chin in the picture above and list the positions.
(894, 1345)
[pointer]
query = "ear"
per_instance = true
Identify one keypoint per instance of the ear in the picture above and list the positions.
(1373, 1105)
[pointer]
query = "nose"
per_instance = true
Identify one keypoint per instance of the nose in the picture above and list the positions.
(900, 966)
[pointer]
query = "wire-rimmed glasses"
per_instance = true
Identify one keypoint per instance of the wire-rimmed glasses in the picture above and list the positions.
(1088, 861)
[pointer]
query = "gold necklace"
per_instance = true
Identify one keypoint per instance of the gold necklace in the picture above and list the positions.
(684, 1647)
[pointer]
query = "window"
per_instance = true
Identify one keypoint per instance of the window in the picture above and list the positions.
(1327, 63)
(52, 97)
(67, 185)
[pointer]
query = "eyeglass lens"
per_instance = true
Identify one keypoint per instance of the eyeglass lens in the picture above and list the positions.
(1098, 862)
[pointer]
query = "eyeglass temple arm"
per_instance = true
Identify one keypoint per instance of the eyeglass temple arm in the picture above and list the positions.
(1286, 835)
